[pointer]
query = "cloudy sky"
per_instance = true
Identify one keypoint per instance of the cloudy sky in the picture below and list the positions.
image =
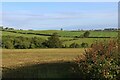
(56, 15)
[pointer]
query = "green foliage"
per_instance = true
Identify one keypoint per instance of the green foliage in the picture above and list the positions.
(10, 42)
(54, 41)
(100, 62)
(36, 42)
(66, 37)
(74, 45)
(85, 45)
(21, 43)
(7, 42)
(86, 34)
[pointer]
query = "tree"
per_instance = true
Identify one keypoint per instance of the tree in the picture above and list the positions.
(54, 41)
(84, 45)
(61, 29)
(6, 28)
(36, 42)
(86, 34)
(21, 43)
(7, 42)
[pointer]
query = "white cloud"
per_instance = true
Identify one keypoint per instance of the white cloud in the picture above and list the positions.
(25, 19)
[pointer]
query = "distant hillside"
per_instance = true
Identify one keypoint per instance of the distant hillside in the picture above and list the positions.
(67, 37)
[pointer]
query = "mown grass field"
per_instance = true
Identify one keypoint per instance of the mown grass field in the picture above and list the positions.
(38, 63)
(18, 57)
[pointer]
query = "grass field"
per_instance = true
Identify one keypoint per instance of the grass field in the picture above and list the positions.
(23, 56)
(71, 33)
(40, 63)
(66, 40)
(85, 40)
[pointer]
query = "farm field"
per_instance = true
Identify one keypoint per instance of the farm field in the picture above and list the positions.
(85, 40)
(67, 37)
(22, 61)
(70, 33)
(23, 56)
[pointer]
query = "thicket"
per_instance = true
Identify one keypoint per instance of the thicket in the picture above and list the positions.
(10, 42)
(100, 62)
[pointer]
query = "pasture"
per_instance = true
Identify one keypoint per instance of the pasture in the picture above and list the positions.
(67, 33)
(67, 37)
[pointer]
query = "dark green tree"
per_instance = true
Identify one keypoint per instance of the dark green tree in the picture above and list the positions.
(7, 42)
(54, 41)
(86, 34)
(36, 42)
(21, 43)
(61, 29)
(84, 45)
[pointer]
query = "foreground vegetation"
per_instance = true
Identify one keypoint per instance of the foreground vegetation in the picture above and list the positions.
(101, 62)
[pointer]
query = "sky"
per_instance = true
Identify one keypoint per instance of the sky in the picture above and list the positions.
(57, 15)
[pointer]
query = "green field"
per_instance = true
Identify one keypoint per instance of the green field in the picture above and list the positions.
(67, 37)
(38, 63)
(72, 33)
(85, 40)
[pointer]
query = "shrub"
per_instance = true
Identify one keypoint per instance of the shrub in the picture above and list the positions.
(21, 43)
(84, 45)
(7, 42)
(99, 62)
(65, 46)
(36, 42)
(74, 45)
(86, 34)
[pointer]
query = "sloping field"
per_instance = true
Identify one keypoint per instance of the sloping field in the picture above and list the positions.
(71, 33)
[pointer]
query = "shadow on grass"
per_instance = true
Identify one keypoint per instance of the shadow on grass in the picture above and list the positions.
(46, 70)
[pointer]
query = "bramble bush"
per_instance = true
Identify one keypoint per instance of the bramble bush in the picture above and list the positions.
(100, 62)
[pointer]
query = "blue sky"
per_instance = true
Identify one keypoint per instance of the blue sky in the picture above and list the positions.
(56, 15)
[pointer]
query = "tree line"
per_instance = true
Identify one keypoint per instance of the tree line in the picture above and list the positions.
(11, 42)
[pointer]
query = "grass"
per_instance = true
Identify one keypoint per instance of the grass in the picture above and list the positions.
(85, 40)
(4, 33)
(103, 34)
(44, 71)
(72, 33)
(24, 35)
(18, 57)
(66, 40)
(38, 63)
